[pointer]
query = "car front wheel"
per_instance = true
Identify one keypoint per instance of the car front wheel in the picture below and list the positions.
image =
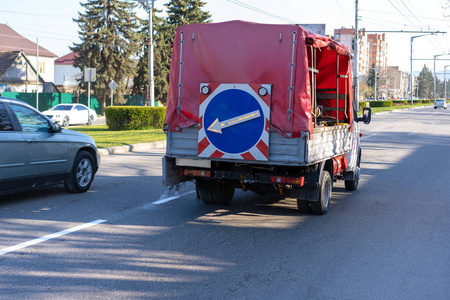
(82, 173)
(91, 120)
(66, 121)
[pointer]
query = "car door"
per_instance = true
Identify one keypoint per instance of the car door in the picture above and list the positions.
(47, 151)
(13, 154)
(82, 113)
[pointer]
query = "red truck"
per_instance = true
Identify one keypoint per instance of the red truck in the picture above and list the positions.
(263, 108)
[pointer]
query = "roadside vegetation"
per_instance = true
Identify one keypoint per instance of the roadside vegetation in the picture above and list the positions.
(391, 108)
(105, 138)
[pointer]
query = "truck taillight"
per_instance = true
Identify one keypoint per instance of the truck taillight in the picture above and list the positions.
(288, 180)
(195, 173)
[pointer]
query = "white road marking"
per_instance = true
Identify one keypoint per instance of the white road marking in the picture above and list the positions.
(83, 226)
(165, 200)
(368, 136)
(49, 237)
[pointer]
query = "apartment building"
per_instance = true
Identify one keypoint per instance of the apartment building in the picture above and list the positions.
(372, 48)
(377, 51)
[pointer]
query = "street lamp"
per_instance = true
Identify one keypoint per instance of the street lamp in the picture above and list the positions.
(445, 83)
(151, 85)
(151, 80)
(434, 73)
(411, 75)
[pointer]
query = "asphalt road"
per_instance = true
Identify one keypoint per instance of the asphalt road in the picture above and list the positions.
(387, 240)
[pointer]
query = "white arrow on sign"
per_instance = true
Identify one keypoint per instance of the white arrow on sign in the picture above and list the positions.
(217, 126)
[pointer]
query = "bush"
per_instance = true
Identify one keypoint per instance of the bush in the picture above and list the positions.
(400, 102)
(362, 104)
(134, 117)
(380, 103)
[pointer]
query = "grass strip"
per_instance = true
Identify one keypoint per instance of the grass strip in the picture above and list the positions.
(105, 138)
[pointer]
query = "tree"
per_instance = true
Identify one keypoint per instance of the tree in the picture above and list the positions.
(425, 83)
(161, 59)
(371, 80)
(182, 12)
(178, 13)
(109, 40)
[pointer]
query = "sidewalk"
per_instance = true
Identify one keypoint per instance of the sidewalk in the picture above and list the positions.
(131, 148)
(126, 148)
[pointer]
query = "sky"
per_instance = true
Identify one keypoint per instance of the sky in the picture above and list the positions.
(51, 21)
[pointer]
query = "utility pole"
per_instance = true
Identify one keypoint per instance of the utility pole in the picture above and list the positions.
(356, 58)
(37, 73)
(445, 83)
(151, 80)
(412, 38)
(411, 60)
(434, 74)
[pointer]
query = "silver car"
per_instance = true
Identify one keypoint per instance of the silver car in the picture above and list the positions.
(36, 152)
(440, 103)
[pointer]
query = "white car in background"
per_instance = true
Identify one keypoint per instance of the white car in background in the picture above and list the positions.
(71, 114)
(440, 103)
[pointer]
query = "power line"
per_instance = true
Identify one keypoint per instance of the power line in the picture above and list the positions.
(395, 14)
(32, 14)
(258, 10)
(414, 16)
(343, 12)
(401, 12)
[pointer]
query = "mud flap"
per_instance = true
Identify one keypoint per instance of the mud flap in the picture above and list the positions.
(310, 191)
(171, 172)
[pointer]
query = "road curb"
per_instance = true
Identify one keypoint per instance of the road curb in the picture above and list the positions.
(396, 110)
(131, 148)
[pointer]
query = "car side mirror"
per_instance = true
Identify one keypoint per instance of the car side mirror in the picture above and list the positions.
(56, 127)
(367, 115)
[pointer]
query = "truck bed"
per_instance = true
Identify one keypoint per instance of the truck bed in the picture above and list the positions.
(326, 142)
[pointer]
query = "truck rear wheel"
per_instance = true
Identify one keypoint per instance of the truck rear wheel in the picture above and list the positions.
(303, 206)
(320, 207)
(352, 185)
(215, 192)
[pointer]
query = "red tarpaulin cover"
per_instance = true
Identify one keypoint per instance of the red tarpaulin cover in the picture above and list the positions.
(244, 52)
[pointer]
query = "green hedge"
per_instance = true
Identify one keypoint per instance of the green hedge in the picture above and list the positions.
(362, 104)
(380, 103)
(134, 117)
(401, 102)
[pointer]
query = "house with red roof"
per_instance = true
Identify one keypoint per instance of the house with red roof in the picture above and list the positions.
(20, 61)
(66, 75)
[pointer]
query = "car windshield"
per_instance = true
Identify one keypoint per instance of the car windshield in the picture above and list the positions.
(439, 100)
(62, 107)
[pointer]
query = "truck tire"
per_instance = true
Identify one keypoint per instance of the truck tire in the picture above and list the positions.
(303, 206)
(215, 192)
(352, 185)
(320, 207)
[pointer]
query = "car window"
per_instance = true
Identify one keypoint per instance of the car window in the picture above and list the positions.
(62, 107)
(30, 120)
(5, 121)
(80, 108)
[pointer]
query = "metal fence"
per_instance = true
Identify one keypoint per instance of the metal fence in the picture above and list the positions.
(49, 100)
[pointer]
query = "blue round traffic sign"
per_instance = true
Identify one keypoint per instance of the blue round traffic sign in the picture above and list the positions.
(234, 121)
